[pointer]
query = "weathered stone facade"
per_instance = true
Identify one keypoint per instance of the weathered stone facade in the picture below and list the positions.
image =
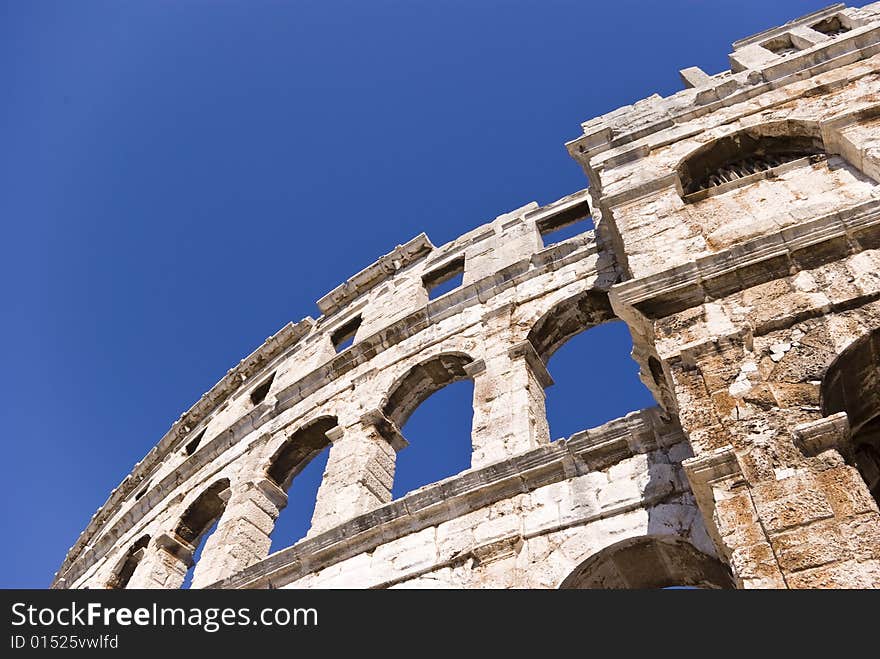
(737, 233)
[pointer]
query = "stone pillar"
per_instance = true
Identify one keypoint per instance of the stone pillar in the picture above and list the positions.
(360, 470)
(243, 534)
(724, 497)
(164, 563)
(138, 558)
(509, 412)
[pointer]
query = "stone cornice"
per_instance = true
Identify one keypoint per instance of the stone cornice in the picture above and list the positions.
(706, 471)
(374, 274)
(751, 263)
(525, 350)
(830, 432)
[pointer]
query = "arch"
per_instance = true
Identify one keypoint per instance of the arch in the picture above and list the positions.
(748, 151)
(422, 380)
(567, 400)
(202, 512)
(298, 456)
(298, 450)
(568, 318)
(123, 572)
(649, 562)
(852, 385)
(441, 430)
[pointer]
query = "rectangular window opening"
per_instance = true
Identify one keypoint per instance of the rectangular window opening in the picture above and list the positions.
(444, 279)
(781, 45)
(567, 224)
(191, 447)
(142, 491)
(830, 26)
(258, 395)
(343, 337)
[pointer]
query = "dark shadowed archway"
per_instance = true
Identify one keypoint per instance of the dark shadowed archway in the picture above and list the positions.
(567, 319)
(650, 562)
(123, 573)
(299, 449)
(852, 385)
(748, 153)
(202, 513)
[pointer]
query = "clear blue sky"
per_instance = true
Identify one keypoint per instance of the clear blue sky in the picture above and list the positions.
(179, 179)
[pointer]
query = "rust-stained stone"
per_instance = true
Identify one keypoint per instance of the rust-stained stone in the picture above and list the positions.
(810, 546)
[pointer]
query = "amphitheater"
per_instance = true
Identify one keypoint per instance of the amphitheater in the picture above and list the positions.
(736, 233)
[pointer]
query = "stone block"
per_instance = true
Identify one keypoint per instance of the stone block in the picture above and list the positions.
(810, 546)
(846, 492)
(790, 503)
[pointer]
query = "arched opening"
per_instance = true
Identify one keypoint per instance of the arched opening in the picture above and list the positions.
(199, 521)
(852, 385)
(753, 152)
(202, 512)
(124, 571)
(567, 319)
(595, 381)
(650, 563)
(595, 378)
(421, 381)
(432, 404)
(297, 468)
(440, 430)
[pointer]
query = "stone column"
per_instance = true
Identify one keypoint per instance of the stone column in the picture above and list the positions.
(509, 412)
(243, 534)
(724, 497)
(360, 470)
(164, 563)
(138, 557)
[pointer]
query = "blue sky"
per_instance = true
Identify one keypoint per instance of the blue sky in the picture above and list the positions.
(180, 179)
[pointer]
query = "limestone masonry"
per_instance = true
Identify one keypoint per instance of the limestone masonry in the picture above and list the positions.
(737, 233)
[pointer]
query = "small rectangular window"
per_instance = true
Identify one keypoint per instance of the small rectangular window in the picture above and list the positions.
(444, 279)
(566, 224)
(830, 26)
(258, 395)
(191, 447)
(142, 491)
(781, 45)
(343, 337)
